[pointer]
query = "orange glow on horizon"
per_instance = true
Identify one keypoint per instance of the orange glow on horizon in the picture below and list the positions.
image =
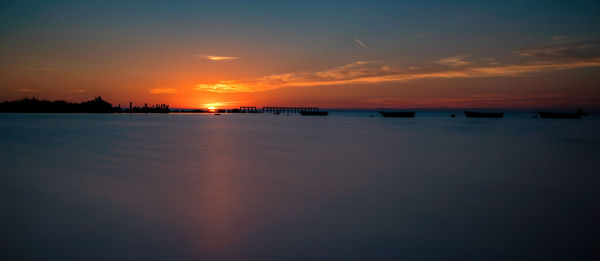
(454, 81)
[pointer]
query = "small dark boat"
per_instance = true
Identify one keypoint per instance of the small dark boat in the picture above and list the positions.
(559, 115)
(398, 114)
(314, 113)
(474, 114)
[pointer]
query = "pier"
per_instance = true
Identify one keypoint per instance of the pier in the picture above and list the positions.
(288, 109)
(249, 109)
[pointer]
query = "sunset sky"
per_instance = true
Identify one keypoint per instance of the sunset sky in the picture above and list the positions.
(334, 54)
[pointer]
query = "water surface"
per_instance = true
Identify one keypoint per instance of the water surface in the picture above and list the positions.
(265, 187)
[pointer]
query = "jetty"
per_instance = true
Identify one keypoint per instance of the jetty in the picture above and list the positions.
(289, 109)
(249, 109)
(274, 110)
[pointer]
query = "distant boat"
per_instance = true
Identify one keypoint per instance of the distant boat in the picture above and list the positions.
(474, 114)
(314, 113)
(398, 114)
(559, 115)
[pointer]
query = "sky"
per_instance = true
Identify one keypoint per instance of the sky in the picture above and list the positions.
(328, 54)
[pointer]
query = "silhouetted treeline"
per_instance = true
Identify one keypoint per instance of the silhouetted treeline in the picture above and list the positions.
(97, 105)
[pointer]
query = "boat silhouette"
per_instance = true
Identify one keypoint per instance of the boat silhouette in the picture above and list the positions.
(398, 114)
(474, 114)
(561, 115)
(314, 113)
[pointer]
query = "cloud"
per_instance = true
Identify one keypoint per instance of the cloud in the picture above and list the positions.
(155, 72)
(373, 73)
(365, 72)
(27, 90)
(161, 90)
(219, 104)
(217, 58)
(360, 43)
(549, 51)
(454, 61)
(77, 90)
(564, 47)
(491, 61)
(226, 86)
(388, 74)
(359, 69)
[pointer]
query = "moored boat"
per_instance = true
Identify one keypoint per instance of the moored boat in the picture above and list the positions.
(561, 115)
(474, 114)
(398, 114)
(314, 113)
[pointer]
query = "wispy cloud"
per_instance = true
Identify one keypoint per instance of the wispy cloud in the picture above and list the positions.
(77, 90)
(385, 74)
(564, 47)
(161, 90)
(364, 72)
(359, 69)
(372, 73)
(454, 61)
(491, 61)
(27, 90)
(227, 86)
(217, 58)
(360, 43)
(220, 104)
(160, 73)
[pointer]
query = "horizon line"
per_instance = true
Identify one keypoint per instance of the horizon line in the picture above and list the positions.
(415, 108)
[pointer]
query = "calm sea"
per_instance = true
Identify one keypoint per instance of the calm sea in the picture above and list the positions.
(265, 187)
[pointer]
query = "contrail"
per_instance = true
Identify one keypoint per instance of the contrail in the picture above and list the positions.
(361, 43)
